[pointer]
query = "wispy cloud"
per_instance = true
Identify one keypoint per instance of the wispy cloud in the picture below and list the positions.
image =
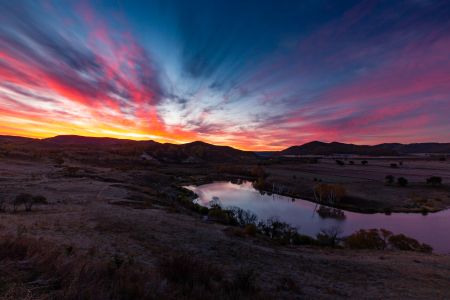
(241, 74)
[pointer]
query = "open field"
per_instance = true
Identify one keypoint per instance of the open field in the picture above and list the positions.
(148, 232)
(365, 185)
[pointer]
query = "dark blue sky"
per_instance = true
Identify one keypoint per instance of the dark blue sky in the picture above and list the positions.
(253, 74)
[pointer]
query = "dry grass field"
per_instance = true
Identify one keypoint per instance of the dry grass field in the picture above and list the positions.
(365, 185)
(109, 233)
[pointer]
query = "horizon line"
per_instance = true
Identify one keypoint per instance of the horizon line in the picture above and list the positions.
(214, 144)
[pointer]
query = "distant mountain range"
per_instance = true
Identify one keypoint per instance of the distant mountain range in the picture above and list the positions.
(321, 148)
(197, 151)
(190, 152)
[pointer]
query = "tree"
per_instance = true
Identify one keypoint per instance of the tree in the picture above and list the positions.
(389, 179)
(25, 199)
(331, 193)
(402, 181)
(434, 180)
(330, 237)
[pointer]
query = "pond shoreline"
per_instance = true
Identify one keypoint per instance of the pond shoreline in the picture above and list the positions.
(302, 214)
(344, 205)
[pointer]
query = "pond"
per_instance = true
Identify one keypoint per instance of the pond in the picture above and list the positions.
(433, 229)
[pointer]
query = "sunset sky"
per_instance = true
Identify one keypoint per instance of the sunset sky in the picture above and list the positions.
(257, 75)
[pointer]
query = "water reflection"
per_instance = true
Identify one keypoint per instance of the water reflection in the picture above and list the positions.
(431, 229)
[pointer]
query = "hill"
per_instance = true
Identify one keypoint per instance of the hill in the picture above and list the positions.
(321, 148)
(167, 152)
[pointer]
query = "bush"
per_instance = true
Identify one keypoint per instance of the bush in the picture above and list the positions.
(215, 203)
(340, 162)
(380, 239)
(364, 162)
(329, 192)
(394, 165)
(47, 267)
(219, 215)
(242, 217)
(330, 237)
(402, 242)
(250, 229)
(329, 212)
(39, 199)
(434, 180)
(301, 239)
(389, 179)
(279, 231)
(368, 239)
(25, 199)
(200, 209)
(402, 181)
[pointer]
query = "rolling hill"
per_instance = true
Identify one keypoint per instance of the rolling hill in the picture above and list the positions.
(321, 148)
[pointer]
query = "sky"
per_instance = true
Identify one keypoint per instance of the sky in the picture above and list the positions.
(255, 75)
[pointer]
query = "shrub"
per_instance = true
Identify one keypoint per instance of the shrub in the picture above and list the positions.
(301, 239)
(434, 180)
(201, 209)
(28, 200)
(389, 179)
(250, 229)
(215, 202)
(242, 217)
(380, 239)
(329, 192)
(219, 215)
(276, 230)
(364, 162)
(402, 181)
(39, 199)
(393, 165)
(368, 239)
(47, 266)
(330, 237)
(352, 162)
(329, 212)
(25, 199)
(402, 242)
